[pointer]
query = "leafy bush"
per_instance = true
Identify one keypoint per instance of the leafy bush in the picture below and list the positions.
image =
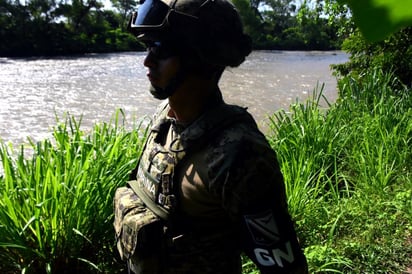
(393, 55)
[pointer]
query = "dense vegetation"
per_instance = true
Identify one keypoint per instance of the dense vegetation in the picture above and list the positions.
(56, 28)
(50, 27)
(56, 205)
(392, 55)
(347, 169)
(349, 176)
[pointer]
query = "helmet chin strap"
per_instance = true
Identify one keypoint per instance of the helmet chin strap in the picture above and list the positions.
(170, 89)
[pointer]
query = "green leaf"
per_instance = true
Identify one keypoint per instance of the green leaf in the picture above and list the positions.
(379, 18)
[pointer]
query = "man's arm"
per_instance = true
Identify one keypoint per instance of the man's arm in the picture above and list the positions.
(255, 196)
(271, 243)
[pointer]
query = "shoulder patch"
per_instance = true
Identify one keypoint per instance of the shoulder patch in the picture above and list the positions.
(263, 228)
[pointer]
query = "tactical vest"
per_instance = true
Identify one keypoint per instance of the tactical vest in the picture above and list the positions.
(154, 175)
(155, 170)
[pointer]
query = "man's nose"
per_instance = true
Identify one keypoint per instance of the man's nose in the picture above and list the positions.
(149, 60)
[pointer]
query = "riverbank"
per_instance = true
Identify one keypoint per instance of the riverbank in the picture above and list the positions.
(347, 172)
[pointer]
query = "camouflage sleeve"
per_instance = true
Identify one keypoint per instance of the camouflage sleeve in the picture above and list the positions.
(254, 196)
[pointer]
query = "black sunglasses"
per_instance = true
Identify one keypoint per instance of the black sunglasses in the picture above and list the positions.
(161, 50)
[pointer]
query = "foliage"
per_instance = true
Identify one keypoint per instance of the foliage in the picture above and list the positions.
(280, 24)
(392, 55)
(347, 169)
(56, 208)
(379, 18)
(125, 7)
(56, 28)
(82, 26)
(348, 174)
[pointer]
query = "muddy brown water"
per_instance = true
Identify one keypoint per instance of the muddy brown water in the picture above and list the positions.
(33, 92)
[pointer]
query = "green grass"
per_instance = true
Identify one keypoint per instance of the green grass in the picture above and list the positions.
(348, 174)
(347, 169)
(56, 206)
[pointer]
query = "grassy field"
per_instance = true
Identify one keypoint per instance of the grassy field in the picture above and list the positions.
(347, 170)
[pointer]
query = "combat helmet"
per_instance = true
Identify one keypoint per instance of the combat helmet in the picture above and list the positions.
(211, 28)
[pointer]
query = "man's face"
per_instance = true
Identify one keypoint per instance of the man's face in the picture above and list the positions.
(162, 63)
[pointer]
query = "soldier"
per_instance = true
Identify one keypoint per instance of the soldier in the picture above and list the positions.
(208, 186)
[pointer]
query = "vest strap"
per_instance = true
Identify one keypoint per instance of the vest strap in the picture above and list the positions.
(157, 209)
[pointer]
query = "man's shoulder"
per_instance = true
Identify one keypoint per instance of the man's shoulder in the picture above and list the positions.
(241, 131)
(237, 144)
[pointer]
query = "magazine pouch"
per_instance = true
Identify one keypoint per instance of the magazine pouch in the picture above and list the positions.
(138, 230)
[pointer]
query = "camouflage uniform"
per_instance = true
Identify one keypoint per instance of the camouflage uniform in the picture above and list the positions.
(226, 196)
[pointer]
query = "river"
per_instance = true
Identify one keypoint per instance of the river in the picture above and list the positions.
(33, 92)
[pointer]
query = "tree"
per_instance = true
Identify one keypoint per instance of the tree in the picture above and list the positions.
(379, 18)
(317, 31)
(392, 55)
(50, 27)
(125, 7)
(252, 19)
(371, 49)
(275, 24)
